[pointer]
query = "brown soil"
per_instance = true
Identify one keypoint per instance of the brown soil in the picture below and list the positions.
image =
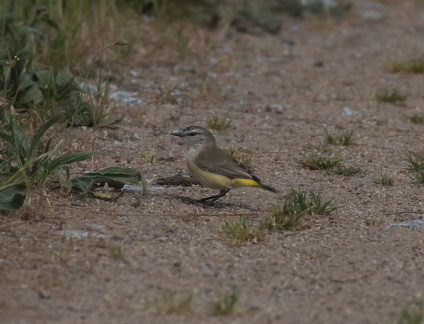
(280, 96)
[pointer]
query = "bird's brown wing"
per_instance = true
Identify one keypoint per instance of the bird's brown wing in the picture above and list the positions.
(216, 160)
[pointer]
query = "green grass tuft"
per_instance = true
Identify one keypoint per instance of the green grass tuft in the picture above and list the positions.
(390, 96)
(416, 164)
(344, 139)
(296, 206)
(171, 303)
(412, 316)
(417, 119)
(384, 180)
(116, 251)
(412, 66)
(226, 304)
(240, 232)
(348, 171)
(315, 161)
(217, 124)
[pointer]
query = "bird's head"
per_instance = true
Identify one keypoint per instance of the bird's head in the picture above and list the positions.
(195, 135)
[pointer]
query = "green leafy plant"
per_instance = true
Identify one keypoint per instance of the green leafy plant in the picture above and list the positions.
(384, 180)
(390, 96)
(295, 207)
(343, 139)
(149, 157)
(417, 119)
(32, 160)
(226, 304)
(217, 124)
(240, 232)
(314, 161)
(12, 196)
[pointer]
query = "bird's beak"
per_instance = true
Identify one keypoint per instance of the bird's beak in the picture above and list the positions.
(178, 132)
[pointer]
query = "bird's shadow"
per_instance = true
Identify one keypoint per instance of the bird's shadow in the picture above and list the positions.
(217, 205)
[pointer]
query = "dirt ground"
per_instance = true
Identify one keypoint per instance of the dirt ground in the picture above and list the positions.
(280, 92)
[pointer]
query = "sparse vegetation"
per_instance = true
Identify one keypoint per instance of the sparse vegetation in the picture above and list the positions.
(343, 139)
(413, 315)
(296, 206)
(348, 171)
(217, 124)
(416, 164)
(116, 251)
(315, 161)
(240, 232)
(417, 119)
(149, 157)
(384, 180)
(226, 304)
(391, 96)
(240, 156)
(171, 303)
(370, 222)
(412, 66)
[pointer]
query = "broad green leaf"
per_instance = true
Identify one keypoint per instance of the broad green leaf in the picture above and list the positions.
(68, 159)
(12, 196)
(32, 94)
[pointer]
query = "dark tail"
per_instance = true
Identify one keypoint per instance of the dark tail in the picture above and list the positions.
(269, 188)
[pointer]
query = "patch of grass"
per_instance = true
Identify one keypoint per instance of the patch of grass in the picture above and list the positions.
(237, 155)
(390, 96)
(116, 251)
(412, 316)
(240, 232)
(347, 171)
(171, 303)
(411, 66)
(149, 157)
(417, 119)
(416, 164)
(343, 139)
(226, 304)
(314, 161)
(217, 124)
(370, 222)
(384, 180)
(296, 206)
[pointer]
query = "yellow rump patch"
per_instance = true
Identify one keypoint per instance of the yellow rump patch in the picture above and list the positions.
(238, 183)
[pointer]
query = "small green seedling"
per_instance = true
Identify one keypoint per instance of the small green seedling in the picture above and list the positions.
(391, 96)
(226, 304)
(215, 123)
(116, 251)
(384, 180)
(412, 66)
(315, 161)
(343, 139)
(149, 157)
(370, 222)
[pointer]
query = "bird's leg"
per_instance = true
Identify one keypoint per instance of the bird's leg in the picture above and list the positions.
(210, 200)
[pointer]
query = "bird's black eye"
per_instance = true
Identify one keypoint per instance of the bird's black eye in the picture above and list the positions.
(192, 134)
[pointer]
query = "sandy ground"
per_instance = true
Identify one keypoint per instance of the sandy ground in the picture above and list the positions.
(280, 92)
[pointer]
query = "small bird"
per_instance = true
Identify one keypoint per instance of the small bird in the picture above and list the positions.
(213, 167)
